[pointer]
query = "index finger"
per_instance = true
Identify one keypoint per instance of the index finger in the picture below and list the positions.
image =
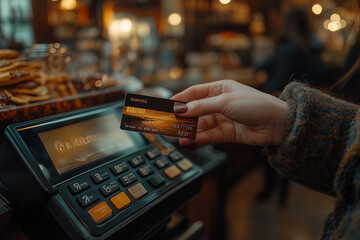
(194, 92)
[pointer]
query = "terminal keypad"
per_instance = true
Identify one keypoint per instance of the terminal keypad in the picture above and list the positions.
(125, 182)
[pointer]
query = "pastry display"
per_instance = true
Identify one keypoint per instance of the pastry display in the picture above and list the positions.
(8, 54)
(24, 82)
(21, 82)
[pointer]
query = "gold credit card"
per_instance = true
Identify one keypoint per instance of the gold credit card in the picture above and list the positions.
(156, 115)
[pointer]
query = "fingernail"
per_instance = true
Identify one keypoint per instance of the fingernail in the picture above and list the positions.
(180, 108)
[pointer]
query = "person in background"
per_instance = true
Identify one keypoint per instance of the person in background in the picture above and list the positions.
(309, 137)
(297, 56)
(348, 87)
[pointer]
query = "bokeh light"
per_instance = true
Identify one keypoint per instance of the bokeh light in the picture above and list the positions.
(174, 19)
(68, 4)
(335, 23)
(333, 26)
(343, 23)
(224, 1)
(120, 28)
(326, 24)
(143, 29)
(335, 17)
(125, 25)
(317, 9)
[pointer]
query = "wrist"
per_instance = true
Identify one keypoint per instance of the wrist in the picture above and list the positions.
(281, 122)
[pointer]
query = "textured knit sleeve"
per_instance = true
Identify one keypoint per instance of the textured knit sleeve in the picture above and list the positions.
(316, 138)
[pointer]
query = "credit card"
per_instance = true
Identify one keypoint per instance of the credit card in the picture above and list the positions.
(156, 115)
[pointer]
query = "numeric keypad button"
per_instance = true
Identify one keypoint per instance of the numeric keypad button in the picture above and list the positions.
(175, 156)
(137, 161)
(88, 198)
(153, 153)
(128, 179)
(100, 176)
(109, 188)
(79, 185)
(145, 171)
(119, 168)
(156, 180)
(161, 163)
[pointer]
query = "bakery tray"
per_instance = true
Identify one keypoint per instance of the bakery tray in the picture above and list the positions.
(50, 107)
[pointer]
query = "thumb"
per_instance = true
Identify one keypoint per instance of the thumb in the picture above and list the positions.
(200, 107)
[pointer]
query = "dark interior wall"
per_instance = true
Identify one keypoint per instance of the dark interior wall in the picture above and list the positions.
(43, 32)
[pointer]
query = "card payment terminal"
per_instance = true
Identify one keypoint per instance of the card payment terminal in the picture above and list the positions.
(79, 176)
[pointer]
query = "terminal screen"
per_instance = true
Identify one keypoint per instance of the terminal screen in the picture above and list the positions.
(78, 144)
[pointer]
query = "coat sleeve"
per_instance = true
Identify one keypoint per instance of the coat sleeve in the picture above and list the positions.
(317, 137)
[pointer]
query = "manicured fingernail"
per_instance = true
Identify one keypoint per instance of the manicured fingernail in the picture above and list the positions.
(180, 108)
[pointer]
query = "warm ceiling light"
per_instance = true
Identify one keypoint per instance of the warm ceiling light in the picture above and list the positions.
(114, 29)
(120, 29)
(174, 19)
(125, 25)
(317, 9)
(68, 4)
(224, 1)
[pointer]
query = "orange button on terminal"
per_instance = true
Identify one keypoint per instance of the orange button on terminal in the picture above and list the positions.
(120, 201)
(100, 212)
(172, 172)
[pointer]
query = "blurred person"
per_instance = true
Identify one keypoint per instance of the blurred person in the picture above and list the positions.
(309, 137)
(348, 87)
(297, 56)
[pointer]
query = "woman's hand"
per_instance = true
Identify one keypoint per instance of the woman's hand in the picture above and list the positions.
(232, 112)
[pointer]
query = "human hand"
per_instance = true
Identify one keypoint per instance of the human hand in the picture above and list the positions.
(232, 112)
